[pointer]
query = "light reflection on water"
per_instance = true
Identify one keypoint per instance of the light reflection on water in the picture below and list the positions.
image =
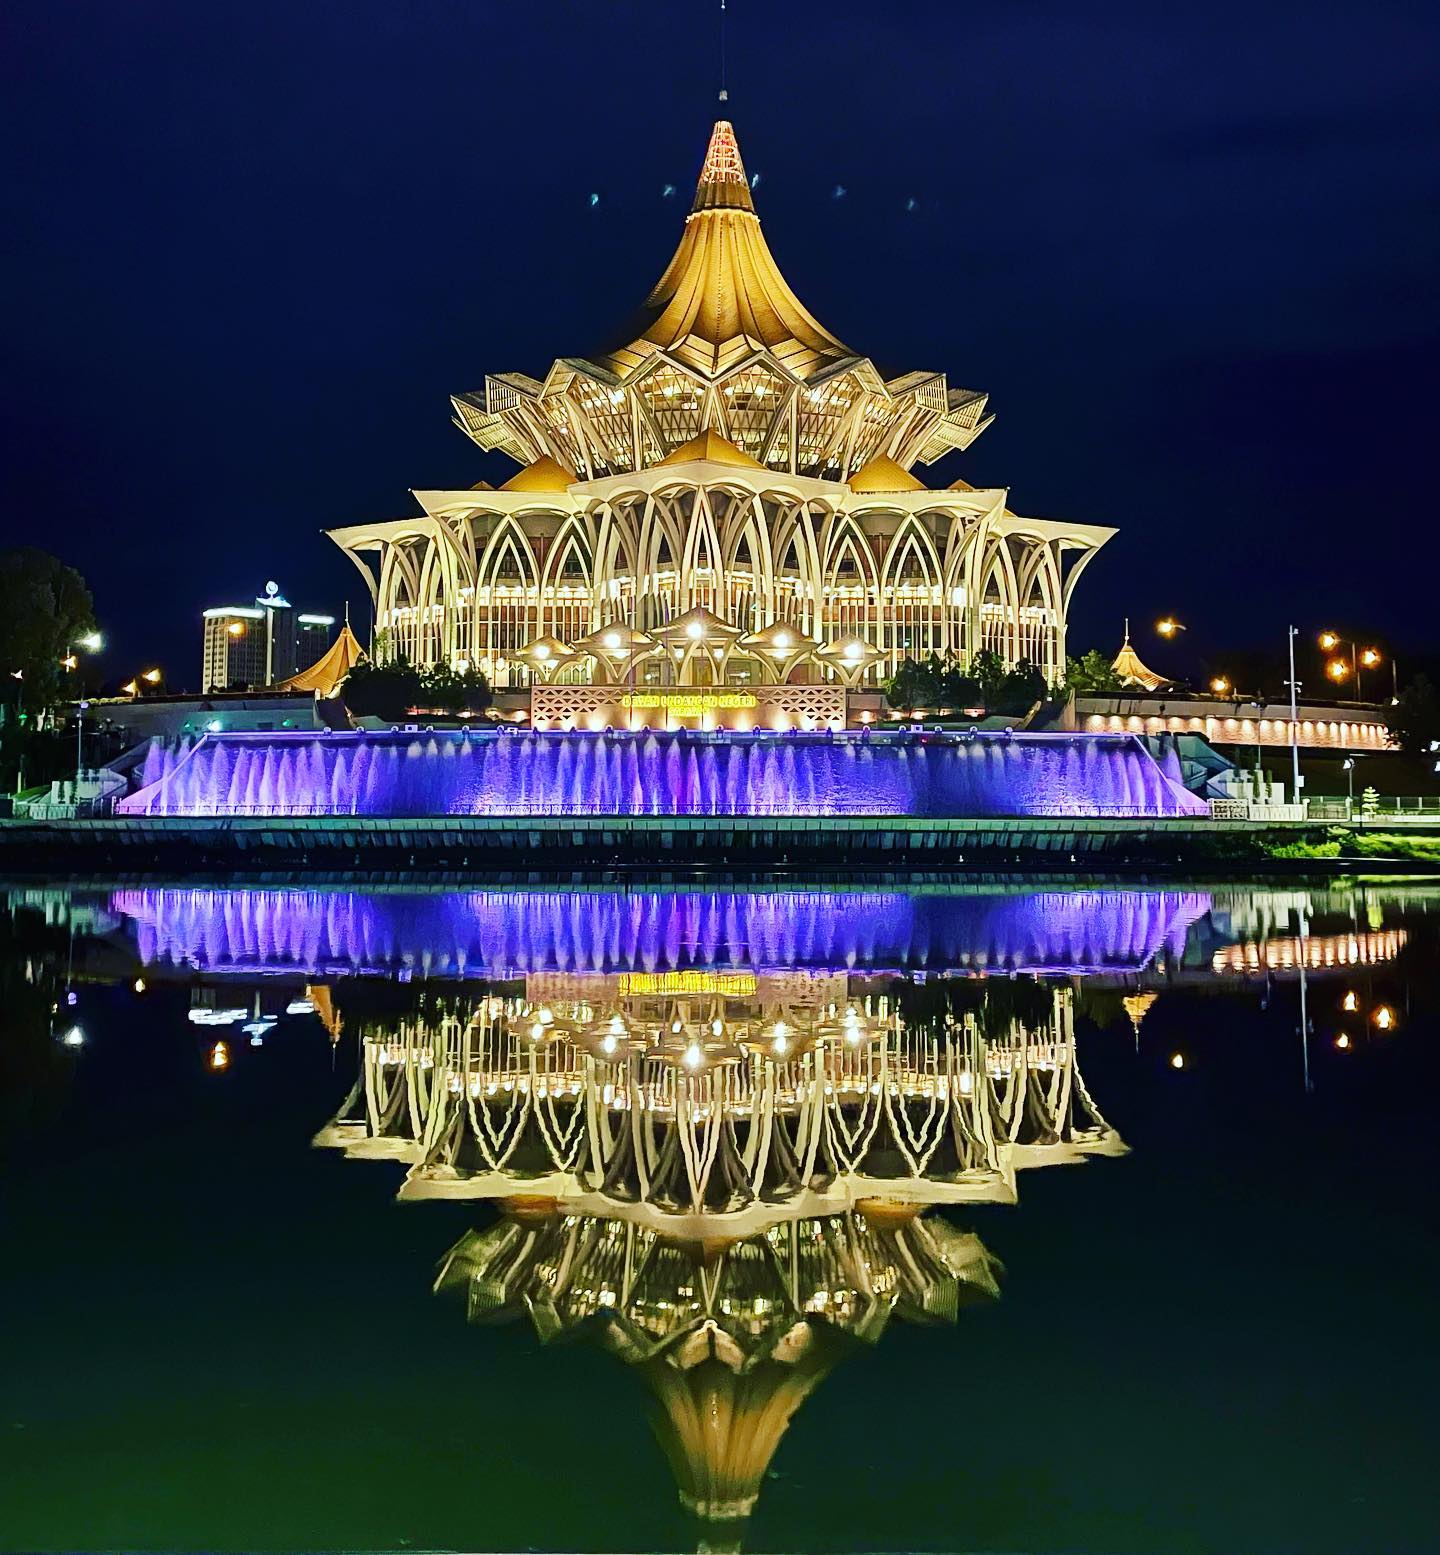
(728, 1136)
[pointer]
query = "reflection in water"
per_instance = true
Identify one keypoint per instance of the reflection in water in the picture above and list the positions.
(510, 933)
(1314, 952)
(725, 1187)
(730, 1336)
(718, 1133)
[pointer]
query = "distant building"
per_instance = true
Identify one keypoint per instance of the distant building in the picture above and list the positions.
(248, 647)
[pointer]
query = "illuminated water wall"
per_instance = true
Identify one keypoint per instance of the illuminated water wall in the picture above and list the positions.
(511, 933)
(398, 774)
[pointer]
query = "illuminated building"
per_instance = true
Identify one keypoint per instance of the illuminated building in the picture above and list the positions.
(723, 495)
(260, 644)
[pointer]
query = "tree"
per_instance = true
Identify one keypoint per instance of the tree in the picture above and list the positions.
(1019, 689)
(447, 690)
(917, 683)
(987, 669)
(1092, 674)
(386, 690)
(396, 687)
(1415, 716)
(45, 608)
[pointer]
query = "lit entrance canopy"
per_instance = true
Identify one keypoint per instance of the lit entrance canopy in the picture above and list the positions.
(698, 637)
(545, 655)
(617, 647)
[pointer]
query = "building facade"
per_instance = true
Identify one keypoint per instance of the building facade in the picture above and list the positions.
(723, 494)
(248, 647)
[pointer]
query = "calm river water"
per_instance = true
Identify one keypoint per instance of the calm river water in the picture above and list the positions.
(985, 1216)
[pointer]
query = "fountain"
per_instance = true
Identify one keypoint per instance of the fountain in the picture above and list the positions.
(413, 774)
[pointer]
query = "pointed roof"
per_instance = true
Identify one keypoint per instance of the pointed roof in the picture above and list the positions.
(960, 485)
(718, 450)
(723, 184)
(1128, 666)
(543, 475)
(883, 474)
(722, 296)
(328, 671)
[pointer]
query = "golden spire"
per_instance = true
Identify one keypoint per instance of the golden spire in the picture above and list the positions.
(722, 297)
(723, 183)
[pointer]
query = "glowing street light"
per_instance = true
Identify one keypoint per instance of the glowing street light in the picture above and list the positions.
(1169, 626)
(1220, 685)
(151, 677)
(131, 688)
(92, 642)
(1360, 658)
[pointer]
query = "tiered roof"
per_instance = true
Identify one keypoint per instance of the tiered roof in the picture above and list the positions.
(722, 344)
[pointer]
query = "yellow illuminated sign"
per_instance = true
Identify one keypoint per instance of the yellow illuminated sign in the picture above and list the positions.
(733, 985)
(687, 704)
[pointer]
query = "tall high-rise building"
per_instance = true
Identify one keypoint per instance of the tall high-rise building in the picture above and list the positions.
(248, 647)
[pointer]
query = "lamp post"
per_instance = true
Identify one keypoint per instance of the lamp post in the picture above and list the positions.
(1349, 769)
(81, 708)
(1360, 658)
(1294, 720)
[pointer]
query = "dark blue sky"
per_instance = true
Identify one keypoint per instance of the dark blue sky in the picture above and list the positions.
(1191, 252)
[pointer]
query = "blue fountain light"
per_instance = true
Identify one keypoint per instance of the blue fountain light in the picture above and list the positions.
(512, 933)
(505, 774)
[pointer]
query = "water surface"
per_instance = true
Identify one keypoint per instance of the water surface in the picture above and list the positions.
(986, 1216)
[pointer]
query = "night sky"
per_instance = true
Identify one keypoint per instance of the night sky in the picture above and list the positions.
(1191, 252)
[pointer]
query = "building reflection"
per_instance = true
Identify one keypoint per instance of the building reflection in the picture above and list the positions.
(726, 1180)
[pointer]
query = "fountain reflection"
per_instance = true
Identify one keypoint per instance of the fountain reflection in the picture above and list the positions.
(991, 926)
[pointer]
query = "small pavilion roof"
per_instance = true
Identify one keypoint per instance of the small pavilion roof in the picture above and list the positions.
(545, 474)
(330, 669)
(883, 474)
(1129, 666)
(718, 450)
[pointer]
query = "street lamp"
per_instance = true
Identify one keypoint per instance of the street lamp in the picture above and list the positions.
(151, 677)
(1220, 685)
(1294, 720)
(1169, 626)
(1360, 658)
(81, 708)
(1348, 766)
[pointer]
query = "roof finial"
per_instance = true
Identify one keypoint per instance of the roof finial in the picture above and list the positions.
(723, 184)
(724, 95)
